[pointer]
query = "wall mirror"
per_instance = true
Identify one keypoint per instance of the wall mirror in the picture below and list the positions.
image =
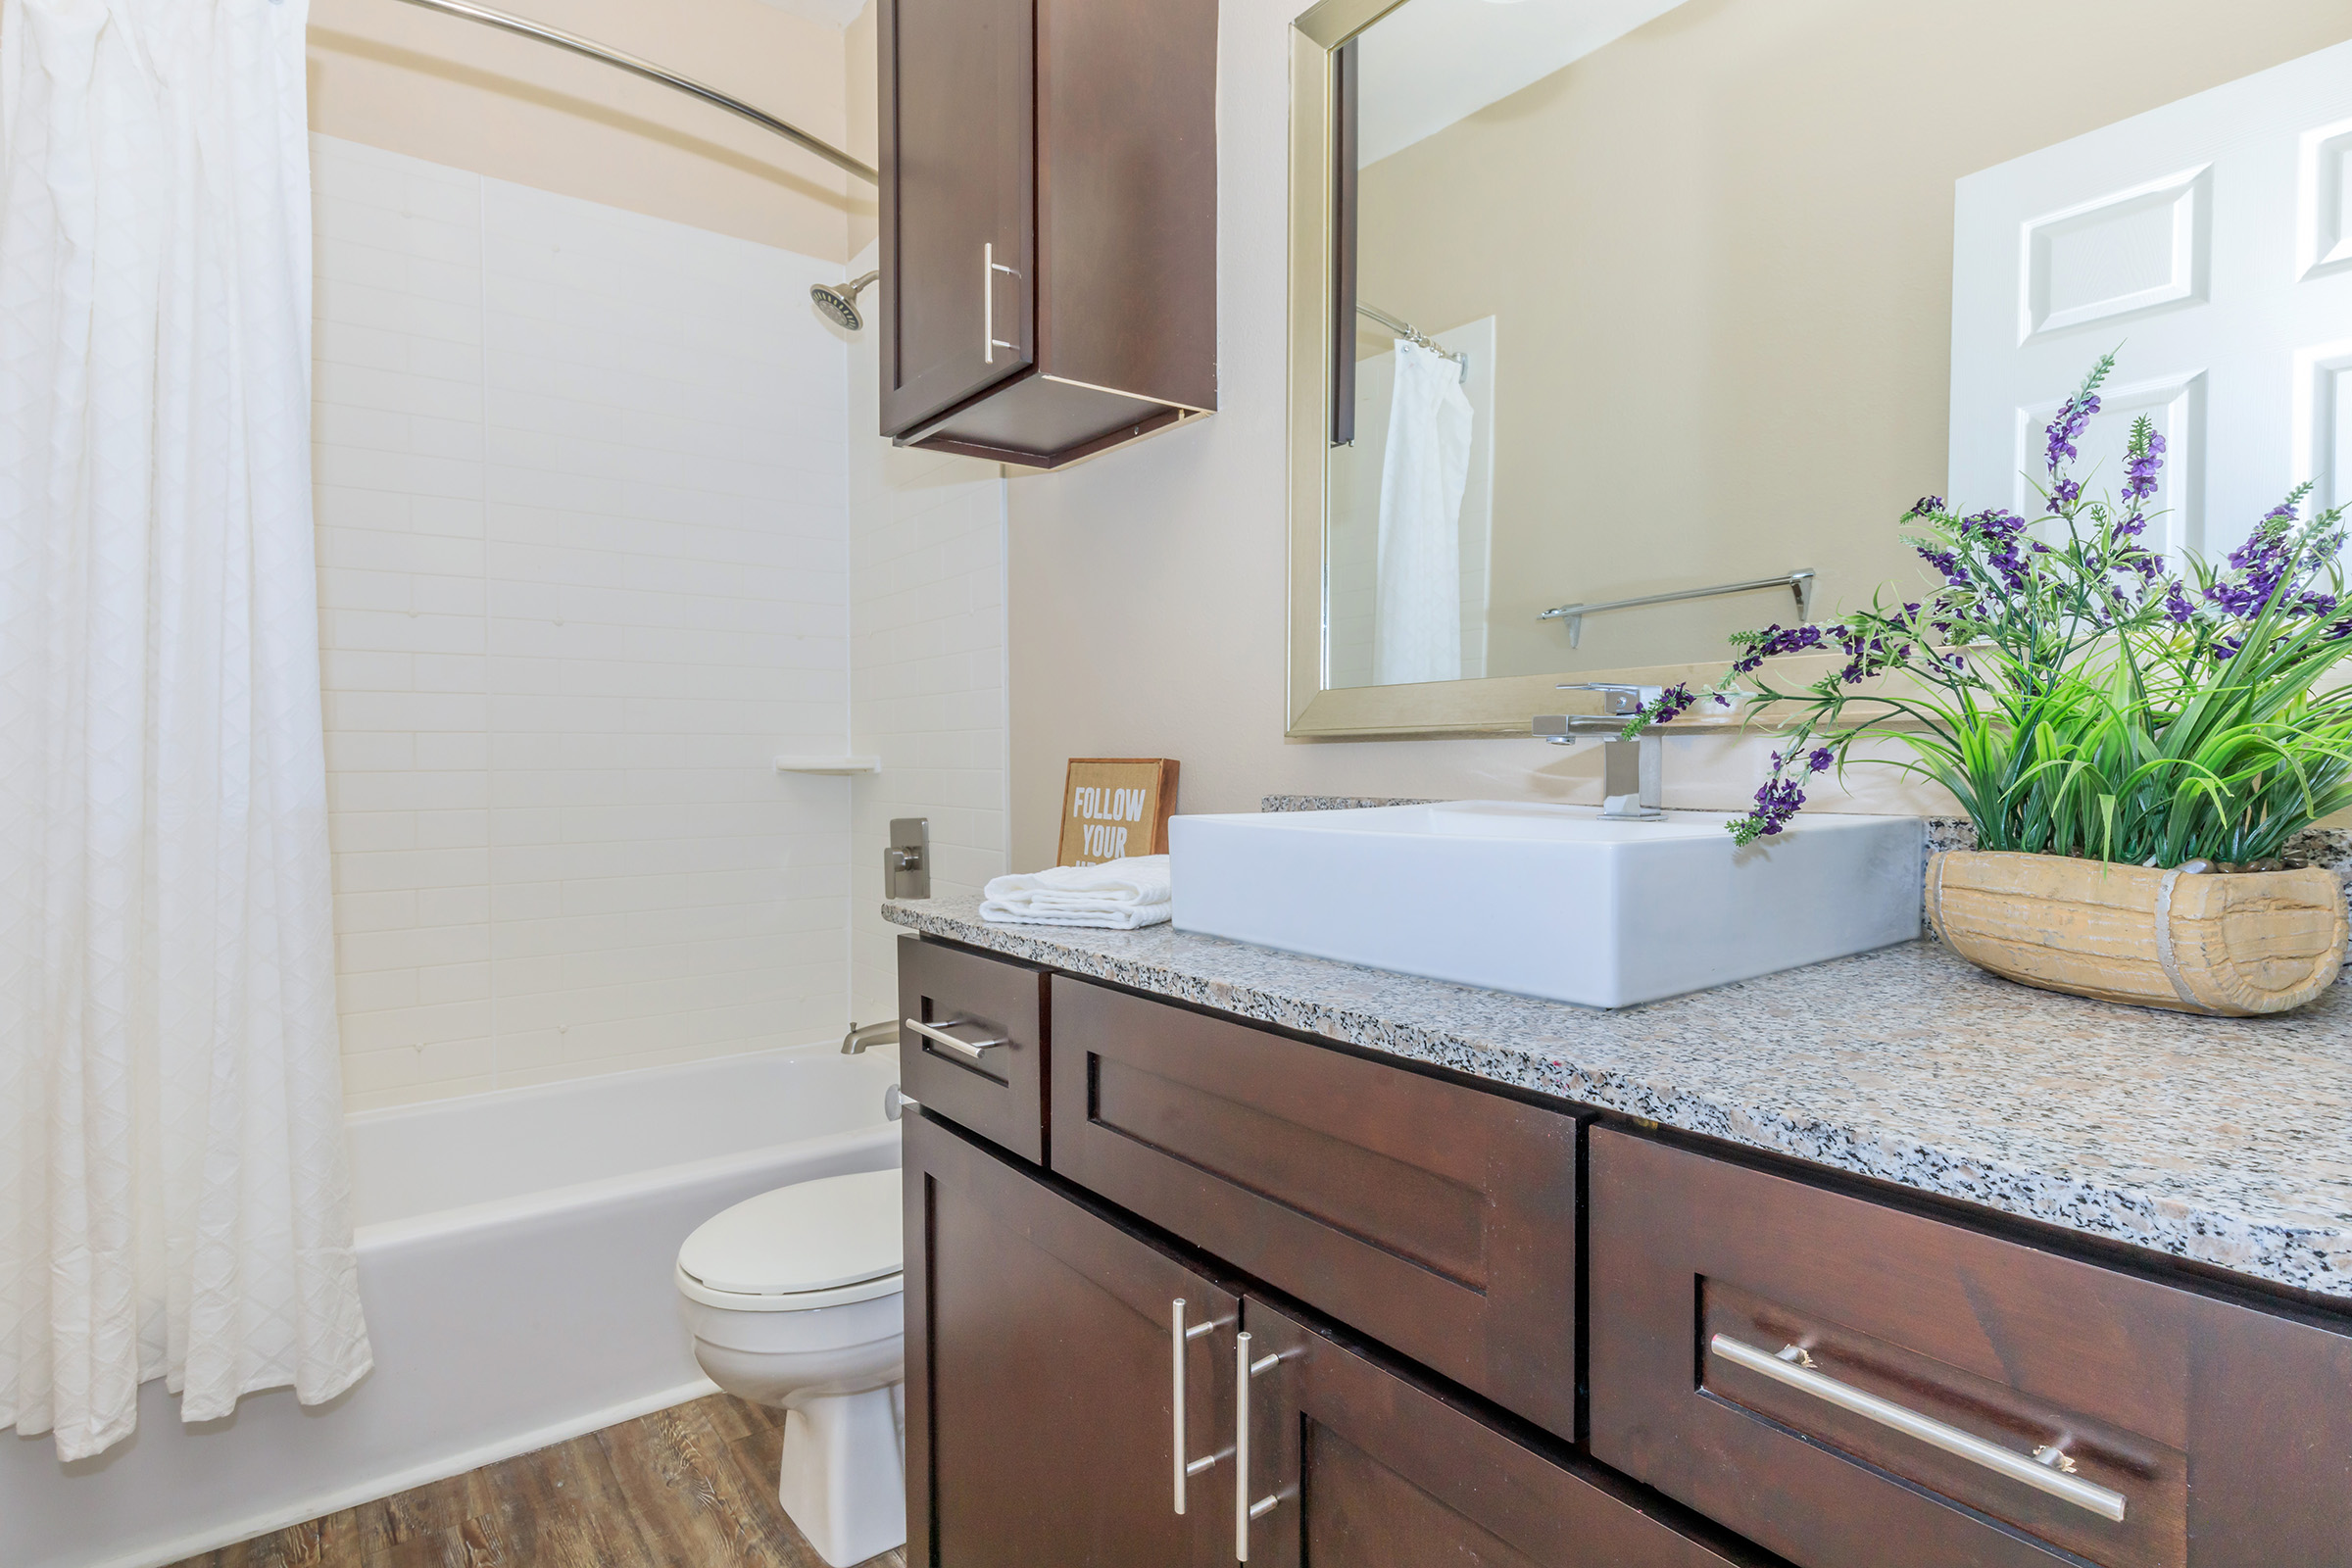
(1618, 325)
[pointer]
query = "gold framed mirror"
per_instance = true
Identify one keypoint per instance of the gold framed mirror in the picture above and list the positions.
(1840, 252)
(1317, 706)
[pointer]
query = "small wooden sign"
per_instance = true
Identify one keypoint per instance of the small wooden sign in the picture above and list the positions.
(1117, 807)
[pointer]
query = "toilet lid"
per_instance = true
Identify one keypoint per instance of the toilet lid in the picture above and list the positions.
(810, 1236)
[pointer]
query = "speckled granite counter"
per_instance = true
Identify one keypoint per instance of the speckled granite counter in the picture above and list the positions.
(2228, 1141)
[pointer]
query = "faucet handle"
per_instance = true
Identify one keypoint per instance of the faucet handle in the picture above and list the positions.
(1617, 698)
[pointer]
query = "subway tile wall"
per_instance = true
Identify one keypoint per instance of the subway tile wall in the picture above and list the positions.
(583, 521)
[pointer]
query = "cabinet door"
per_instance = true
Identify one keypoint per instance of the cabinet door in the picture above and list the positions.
(1043, 1380)
(1354, 1462)
(958, 149)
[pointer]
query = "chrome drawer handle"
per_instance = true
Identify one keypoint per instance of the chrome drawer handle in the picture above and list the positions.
(989, 266)
(970, 1050)
(1244, 1510)
(1177, 1337)
(2043, 1474)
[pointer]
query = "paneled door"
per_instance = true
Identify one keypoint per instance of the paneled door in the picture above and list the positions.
(1354, 1462)
(2211, 239)
(1068, 1384)
(958, 221)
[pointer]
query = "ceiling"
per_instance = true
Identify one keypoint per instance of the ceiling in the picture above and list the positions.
(1430, 63)
(833, 13)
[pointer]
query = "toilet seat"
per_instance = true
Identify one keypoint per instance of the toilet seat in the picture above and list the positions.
(825, 1242)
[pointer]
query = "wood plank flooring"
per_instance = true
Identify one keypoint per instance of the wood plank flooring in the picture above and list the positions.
(693, 1487)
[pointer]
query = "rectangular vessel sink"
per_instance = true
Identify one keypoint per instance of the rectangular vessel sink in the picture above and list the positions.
(1549, 901)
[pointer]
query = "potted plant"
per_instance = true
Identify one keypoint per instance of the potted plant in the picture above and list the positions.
(2134, 743)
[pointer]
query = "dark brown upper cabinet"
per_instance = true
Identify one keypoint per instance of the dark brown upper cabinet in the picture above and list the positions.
(1049, 224)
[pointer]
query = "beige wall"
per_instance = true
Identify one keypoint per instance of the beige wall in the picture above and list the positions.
(1147, 589)
(1720, 254)
(858, 44)
(463, 95)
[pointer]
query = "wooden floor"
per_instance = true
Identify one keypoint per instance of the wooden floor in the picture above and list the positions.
(689, 1488)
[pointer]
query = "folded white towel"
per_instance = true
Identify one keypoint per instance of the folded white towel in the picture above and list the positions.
(1116, 896)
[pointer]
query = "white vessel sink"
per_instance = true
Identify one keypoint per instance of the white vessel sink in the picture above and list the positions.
(1549, 901)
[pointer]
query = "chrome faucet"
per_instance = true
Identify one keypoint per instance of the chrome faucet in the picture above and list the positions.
(1632, 773)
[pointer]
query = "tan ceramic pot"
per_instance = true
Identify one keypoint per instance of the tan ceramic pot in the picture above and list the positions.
(2235, 944)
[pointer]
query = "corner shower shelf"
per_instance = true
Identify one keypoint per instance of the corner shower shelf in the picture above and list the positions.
(828, 765)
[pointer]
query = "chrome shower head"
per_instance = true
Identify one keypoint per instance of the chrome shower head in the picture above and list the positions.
(839, 301)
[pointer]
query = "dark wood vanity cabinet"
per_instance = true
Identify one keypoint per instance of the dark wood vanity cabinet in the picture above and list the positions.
(1042, 1387)
(1772, 1371)
(2196, 1432)
(1044, 1376)
(1048, 223)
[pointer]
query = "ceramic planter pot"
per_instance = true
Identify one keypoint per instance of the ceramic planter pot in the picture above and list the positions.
(2231, 943)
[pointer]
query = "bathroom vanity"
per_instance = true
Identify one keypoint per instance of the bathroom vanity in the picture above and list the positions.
(1218, 1254)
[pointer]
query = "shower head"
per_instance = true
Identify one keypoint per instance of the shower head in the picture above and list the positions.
(839, 300)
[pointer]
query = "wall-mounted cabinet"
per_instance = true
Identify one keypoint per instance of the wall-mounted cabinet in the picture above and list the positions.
(1049, 224)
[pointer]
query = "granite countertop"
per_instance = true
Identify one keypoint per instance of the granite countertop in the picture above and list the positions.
(2226, 1141)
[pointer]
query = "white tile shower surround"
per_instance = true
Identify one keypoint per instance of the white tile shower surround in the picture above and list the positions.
(927, 654)
(585, 527)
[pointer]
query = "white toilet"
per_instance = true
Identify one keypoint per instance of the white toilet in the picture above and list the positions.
(793, 1300)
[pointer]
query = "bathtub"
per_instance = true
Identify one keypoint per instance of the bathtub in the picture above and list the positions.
(514, 1261)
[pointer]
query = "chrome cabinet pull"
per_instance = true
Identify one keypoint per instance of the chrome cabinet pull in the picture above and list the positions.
(970, 1049)
(1177, 1337)
(1793, 1368)
(989, 266)
(1245, 1511)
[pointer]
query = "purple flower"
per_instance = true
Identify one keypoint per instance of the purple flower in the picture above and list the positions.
(2176, 605)
(2267, 563)
(2144, 459)
(2073, 417)
(1776, 803)
(2001, 531)
(1771, 643)
(1869, 652)
(1670, 705)
(1925, 506)
(1821, 760)
(1947, 562)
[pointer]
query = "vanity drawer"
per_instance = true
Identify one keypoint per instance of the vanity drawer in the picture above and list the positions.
(2221, 1433)
(999, 1093)
(1437, 1219)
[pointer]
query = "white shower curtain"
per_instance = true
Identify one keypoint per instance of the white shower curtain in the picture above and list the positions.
(1417, 621)
(172, 1195)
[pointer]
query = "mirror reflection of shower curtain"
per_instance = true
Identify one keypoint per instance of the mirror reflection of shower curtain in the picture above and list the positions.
(1418, 627)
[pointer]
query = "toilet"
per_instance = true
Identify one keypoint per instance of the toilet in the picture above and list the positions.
(793, 1300)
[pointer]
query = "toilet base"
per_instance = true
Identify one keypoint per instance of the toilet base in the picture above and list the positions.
(844, 1476)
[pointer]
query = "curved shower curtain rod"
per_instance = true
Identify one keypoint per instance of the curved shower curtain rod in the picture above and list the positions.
(652, 72)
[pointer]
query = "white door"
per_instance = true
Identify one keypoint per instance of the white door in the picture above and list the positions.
(2211, 240)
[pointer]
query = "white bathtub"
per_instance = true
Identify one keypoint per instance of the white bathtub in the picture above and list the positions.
(515, 1260)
